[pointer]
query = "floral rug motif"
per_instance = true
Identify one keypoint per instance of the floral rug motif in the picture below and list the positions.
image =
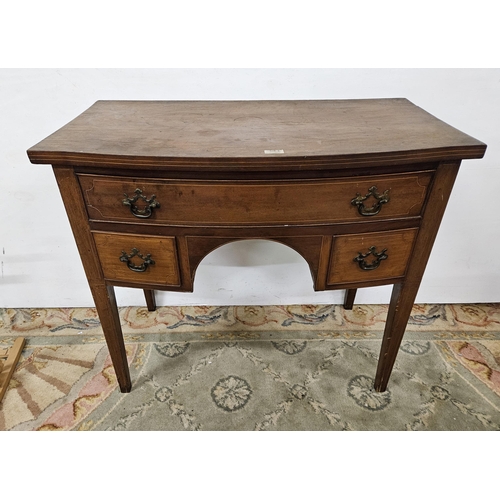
(255, 368)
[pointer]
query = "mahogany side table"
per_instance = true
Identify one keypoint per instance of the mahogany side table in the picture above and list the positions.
(357, 187)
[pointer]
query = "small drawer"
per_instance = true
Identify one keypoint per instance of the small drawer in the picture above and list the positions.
(370, 256)
(297, 202)
(138, 258)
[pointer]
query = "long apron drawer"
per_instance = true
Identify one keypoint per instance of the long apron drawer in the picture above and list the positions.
(304, 202)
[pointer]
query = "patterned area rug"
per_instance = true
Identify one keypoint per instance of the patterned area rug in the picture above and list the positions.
(255, 368)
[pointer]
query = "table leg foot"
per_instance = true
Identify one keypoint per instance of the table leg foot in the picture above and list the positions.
(349, 297)
(150, 299)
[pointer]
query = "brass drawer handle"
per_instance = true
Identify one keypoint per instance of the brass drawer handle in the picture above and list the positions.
(376, 207)
(379, 257)
(147, 260)
(145, 212)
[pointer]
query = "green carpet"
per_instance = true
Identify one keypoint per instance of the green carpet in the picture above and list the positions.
(272, 368)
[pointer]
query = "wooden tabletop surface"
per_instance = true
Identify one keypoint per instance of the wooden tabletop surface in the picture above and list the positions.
(263, 132)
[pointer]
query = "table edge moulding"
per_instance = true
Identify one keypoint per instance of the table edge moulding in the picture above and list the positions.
(357, 187)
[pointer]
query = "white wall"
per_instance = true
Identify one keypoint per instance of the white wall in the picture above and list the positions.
(40, 266)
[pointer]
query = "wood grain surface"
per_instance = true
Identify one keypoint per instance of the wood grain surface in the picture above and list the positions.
(280, 133)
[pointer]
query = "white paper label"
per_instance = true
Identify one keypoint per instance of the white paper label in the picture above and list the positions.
(274, 151)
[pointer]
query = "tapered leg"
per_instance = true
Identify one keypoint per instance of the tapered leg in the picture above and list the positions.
(150, 299)
(105, 302)
(349, 297)
(404, 293)
(104, 296)
(402, 299)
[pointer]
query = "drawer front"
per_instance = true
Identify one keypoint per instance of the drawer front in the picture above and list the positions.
(370, 256)
(255, 202)
(138, 259)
